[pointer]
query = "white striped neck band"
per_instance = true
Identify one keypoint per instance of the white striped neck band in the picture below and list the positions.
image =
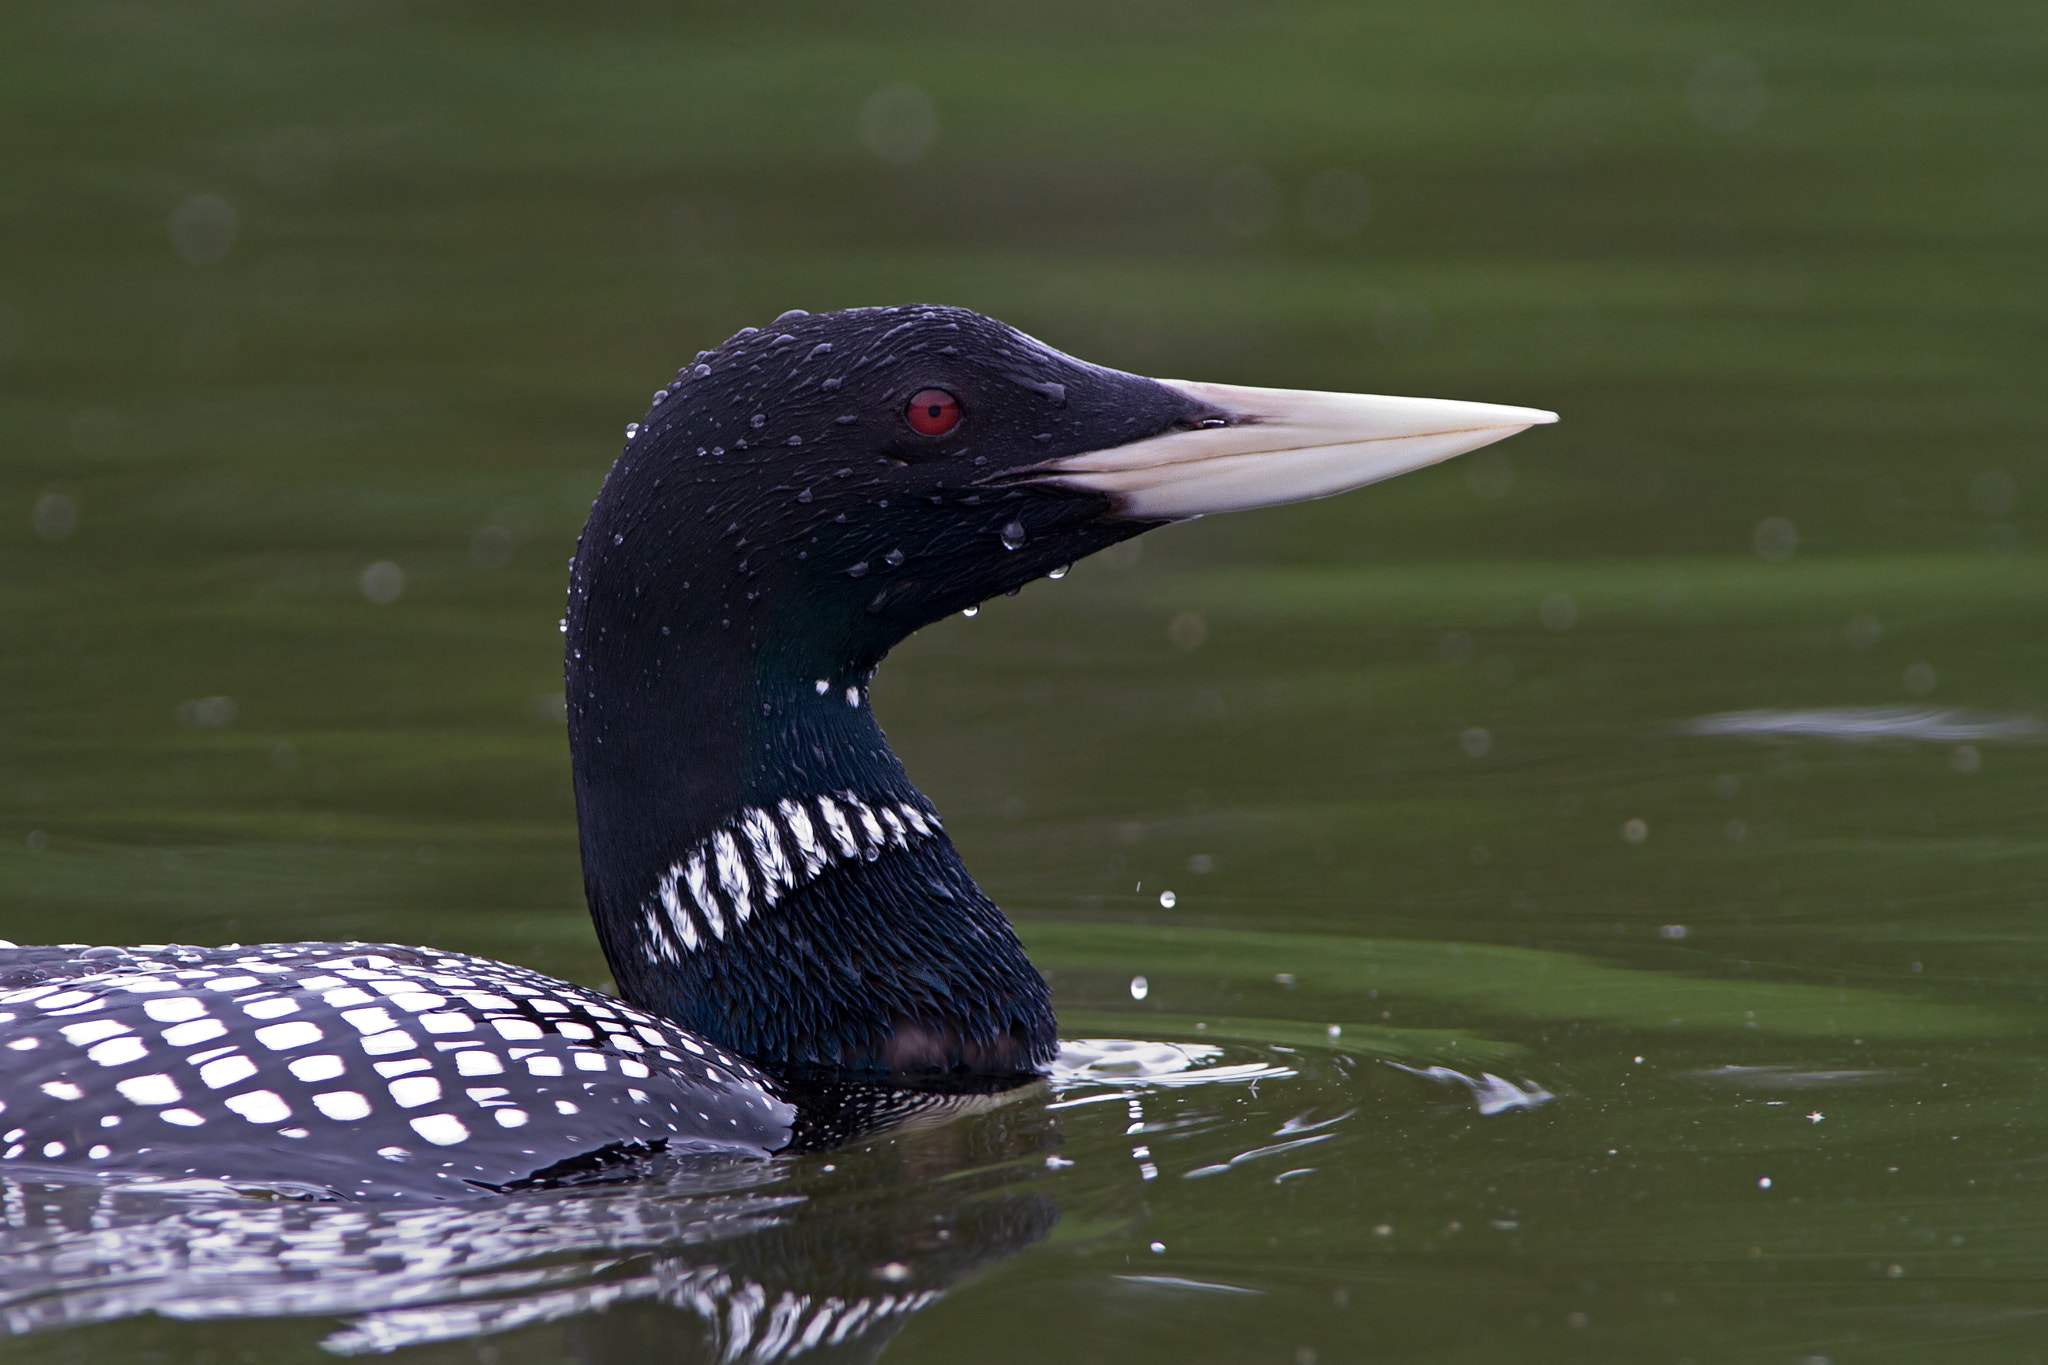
(712, 891)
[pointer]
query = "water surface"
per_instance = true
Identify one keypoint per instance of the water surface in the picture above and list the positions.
(1609, 869)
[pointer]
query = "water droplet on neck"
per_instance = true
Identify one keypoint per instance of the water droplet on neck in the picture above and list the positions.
(1013, 535)
(1060, 572)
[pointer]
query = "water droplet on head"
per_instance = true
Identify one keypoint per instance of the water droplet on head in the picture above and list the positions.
(970, 611)
(829, 384)
(1013, 535)
(804, 496)
(893, 558)
(859, 570)
(757, 421)
(792, 313)
(1060, 572)
(660, 395)
(618, 539)
(702, 371)
(632, 430)
(795, 441)
(822, 348)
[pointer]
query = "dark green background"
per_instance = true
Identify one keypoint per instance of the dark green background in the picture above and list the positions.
(469, 240)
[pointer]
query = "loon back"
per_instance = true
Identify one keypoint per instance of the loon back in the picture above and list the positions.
(766, 883)
(797, 501)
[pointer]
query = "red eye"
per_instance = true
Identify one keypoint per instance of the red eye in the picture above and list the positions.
(933, 412)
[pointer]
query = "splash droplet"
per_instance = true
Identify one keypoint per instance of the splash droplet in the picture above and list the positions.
(1166, 900)
(1140, 988)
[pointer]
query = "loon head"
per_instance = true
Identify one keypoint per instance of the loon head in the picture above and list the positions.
(801, 498)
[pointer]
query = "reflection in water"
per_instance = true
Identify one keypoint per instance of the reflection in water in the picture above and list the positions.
(827, 1256)
(772, 1259)
(1871, 723)
(1493, 1094)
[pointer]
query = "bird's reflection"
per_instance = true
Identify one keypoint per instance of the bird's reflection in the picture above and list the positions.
(818, 1257)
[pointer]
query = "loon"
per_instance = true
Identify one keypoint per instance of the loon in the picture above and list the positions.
(779, 906)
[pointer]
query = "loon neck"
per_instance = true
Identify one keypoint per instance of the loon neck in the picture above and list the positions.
(761, 869)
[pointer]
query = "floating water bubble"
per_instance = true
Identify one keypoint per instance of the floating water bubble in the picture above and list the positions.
(1964, 758)
(1140, 988)
(1862, 632)
(203, 229)
(1187, 630)
(899, 123)
(1559, 611)
(1919, 679)
(1167, 900)
(207, 713)
(1455, 648)
(491, 547)
(1013, 535)
(1635, 831)
(56, 517)
(1674, 931)
(382, 582)
(1727, 786)
(38, 841)
(1775, 539)
(1475, 742)
(1201, 864)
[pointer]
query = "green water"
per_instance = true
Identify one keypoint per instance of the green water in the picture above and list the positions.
(1780, 271)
